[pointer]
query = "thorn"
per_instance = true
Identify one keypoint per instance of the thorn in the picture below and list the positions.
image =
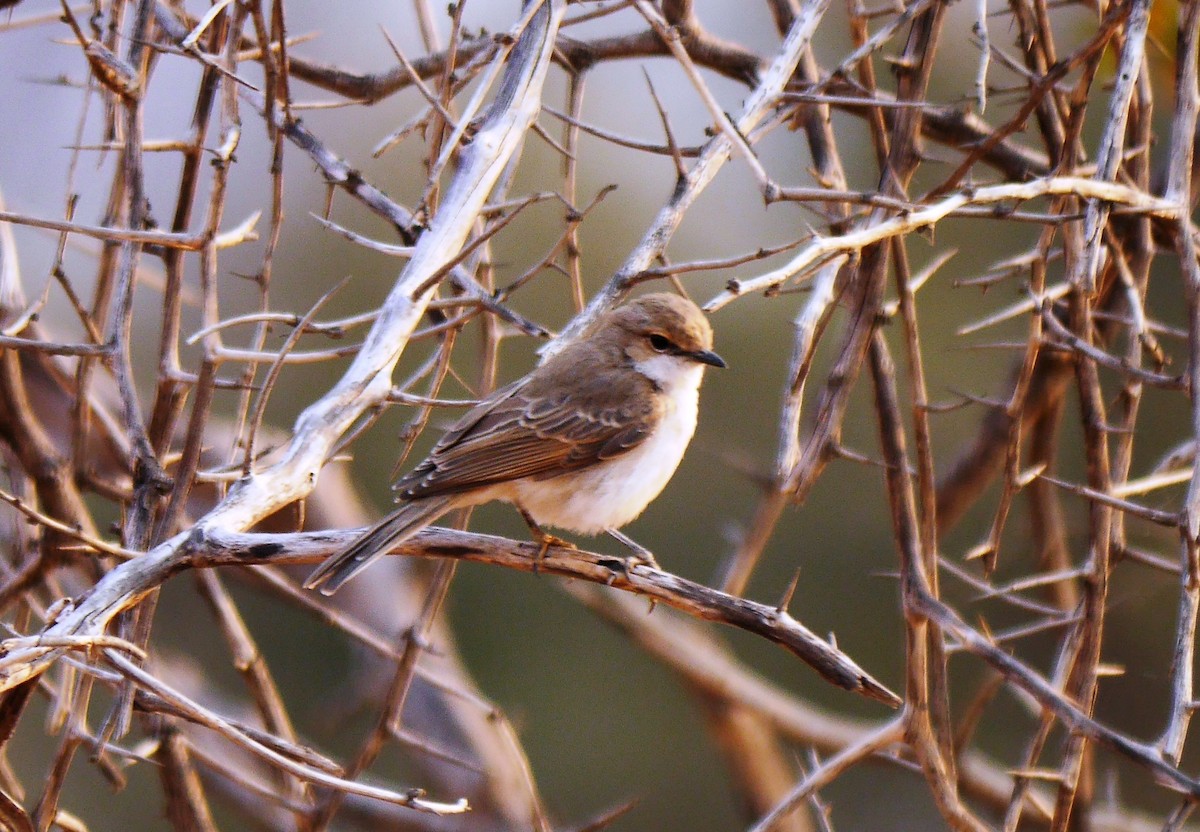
(1047, 775)
(983, 550)
(786, 599)
(986, 630)
(983, 400)
(606, 818)
(419, 641)
(1030, 474)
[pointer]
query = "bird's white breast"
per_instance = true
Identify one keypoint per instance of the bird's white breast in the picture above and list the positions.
(612, 493)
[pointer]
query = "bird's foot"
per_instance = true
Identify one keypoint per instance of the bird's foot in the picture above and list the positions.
(544, 538)
(641, 555)
(547, 540)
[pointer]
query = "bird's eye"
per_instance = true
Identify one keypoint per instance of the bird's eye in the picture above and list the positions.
(660, 343)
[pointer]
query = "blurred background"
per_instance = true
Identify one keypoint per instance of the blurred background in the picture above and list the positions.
(601, 722)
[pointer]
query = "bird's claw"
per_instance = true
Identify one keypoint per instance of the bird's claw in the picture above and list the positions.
(642, 558)
(641, 555)
(548, 540)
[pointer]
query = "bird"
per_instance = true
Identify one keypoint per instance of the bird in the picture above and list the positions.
(583, 443)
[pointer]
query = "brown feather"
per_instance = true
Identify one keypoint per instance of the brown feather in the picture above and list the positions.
(524, 430)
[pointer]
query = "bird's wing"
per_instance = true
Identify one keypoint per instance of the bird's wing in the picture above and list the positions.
(525, 430)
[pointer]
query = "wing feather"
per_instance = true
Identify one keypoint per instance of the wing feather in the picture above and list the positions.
(529, 429)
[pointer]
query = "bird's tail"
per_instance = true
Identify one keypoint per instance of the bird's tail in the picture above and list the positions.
(397, 527)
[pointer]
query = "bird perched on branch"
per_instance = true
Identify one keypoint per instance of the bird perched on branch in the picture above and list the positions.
(582, 443)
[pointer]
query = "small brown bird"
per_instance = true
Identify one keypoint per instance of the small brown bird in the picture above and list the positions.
(582, 443)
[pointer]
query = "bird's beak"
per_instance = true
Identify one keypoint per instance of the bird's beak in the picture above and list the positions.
(708, 357)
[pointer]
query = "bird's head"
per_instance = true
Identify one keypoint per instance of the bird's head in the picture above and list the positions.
(664, 329)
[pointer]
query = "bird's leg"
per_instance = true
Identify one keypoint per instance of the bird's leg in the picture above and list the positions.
(640, 552)
(544, 537)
